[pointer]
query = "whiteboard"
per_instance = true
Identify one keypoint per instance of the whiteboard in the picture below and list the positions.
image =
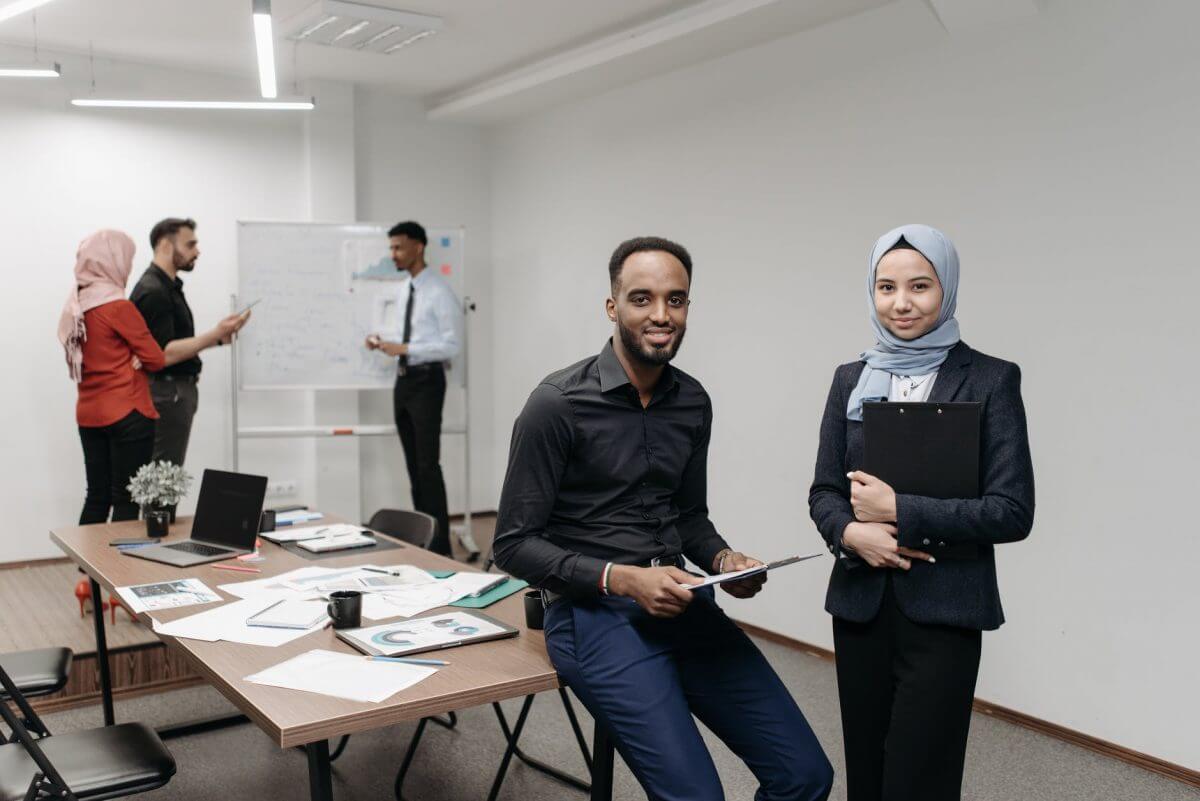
(321, 289)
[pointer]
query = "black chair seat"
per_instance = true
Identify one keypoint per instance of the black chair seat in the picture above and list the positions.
(39, 672)
(97, 763)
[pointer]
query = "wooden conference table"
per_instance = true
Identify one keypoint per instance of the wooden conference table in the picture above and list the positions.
(478, 674)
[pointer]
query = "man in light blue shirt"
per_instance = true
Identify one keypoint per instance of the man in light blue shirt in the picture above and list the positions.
(429, 338)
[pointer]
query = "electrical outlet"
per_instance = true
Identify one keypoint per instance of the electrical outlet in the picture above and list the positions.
(282, 488)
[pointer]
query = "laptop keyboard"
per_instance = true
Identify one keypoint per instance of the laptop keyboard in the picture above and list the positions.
(197, 548)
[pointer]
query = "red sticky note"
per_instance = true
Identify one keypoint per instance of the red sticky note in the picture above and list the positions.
(447, 269)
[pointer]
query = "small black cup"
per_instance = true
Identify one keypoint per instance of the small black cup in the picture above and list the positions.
(267, 521)
(345, 609)
(157, 522)
(534, 611)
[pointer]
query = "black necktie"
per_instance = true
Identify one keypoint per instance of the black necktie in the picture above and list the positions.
(408, 307)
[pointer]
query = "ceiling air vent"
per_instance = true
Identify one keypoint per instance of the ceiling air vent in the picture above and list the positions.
(357, 26)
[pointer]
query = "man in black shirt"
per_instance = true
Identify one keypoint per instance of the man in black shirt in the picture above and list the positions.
(158, 295)
(605, 495)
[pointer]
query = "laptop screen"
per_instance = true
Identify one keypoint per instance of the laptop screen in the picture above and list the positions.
(229, 509)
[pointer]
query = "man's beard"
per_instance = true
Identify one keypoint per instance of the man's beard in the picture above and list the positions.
(183, 267)
(650, 355)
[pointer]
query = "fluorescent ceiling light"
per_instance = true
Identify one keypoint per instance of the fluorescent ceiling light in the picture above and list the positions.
(265, 44)
(31, 71)
(11, 10)
(244, 105)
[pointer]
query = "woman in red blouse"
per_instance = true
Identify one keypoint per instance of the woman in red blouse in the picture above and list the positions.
(102, 333)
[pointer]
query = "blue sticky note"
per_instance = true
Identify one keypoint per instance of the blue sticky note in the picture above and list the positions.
(445, 241)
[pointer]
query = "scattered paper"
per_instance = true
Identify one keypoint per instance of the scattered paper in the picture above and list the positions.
(167, 595)
(278, 586)
(228, 623)
(354, 678)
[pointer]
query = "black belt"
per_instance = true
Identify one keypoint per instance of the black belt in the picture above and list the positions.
(179, 379)
(549, 596)
(419, 369)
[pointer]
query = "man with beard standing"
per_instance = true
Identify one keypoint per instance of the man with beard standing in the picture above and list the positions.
(428, 340)
(158, 295)
(605, 495)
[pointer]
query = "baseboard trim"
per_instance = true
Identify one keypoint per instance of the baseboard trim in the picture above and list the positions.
(1103, 747)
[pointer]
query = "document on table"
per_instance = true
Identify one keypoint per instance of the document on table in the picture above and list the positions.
(167, 595)
(276, 586)
(734, 575)
(348, 676)
(411, 600)
(299, 533)
(228, 623)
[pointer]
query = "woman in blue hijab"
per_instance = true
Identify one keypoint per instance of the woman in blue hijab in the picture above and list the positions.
(914, 582)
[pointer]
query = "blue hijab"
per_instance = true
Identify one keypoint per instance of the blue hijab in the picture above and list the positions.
(892, 355)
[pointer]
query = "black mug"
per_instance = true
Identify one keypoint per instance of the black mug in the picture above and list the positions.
(157, 522)
(345, 609)
(534, 611)
(267, 521)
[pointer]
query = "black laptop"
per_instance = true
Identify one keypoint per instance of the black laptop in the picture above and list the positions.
(225, 525)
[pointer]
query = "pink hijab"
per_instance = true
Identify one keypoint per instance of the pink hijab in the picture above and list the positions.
(102, 267)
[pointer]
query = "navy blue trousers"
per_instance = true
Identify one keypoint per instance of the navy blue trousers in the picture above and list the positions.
(645, 678)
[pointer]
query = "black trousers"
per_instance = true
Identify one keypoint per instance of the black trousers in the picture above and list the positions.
(906, 690)
(111, 455)
(417, 404)
(176, 403)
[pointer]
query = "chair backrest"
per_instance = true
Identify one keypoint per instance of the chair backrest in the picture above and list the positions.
(415, 528)
(47, 778)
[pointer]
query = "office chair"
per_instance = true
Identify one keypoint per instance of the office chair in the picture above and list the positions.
(88, 765)
(36, 673)
(415, 528)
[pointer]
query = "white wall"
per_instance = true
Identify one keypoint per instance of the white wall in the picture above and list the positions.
(67, 172)
(436, 173)
(1060, 155)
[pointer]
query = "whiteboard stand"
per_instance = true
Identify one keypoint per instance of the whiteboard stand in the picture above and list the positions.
(463, 532)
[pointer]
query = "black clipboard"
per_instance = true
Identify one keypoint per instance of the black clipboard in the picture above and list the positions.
(929, 449)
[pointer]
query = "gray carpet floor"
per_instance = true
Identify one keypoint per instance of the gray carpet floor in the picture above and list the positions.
(1004, 763)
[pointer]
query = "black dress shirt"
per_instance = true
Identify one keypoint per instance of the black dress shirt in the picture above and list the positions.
(160, 300)
(594, 478)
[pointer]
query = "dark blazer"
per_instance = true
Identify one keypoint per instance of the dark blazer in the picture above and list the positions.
(960, 591)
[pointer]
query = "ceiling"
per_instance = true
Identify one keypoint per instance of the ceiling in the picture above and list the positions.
(483, 41)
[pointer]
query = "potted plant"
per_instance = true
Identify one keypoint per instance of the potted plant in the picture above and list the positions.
(158, 487)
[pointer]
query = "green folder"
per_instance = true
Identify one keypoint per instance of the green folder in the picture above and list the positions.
(491, 596)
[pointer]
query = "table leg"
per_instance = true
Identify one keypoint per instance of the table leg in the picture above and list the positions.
(320, 781)
(602, 764)
(102, 655)
(513, 739)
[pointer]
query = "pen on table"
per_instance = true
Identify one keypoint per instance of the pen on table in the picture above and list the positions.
(488, 587)
(381, 570)
(239, 568)
(407, 661)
